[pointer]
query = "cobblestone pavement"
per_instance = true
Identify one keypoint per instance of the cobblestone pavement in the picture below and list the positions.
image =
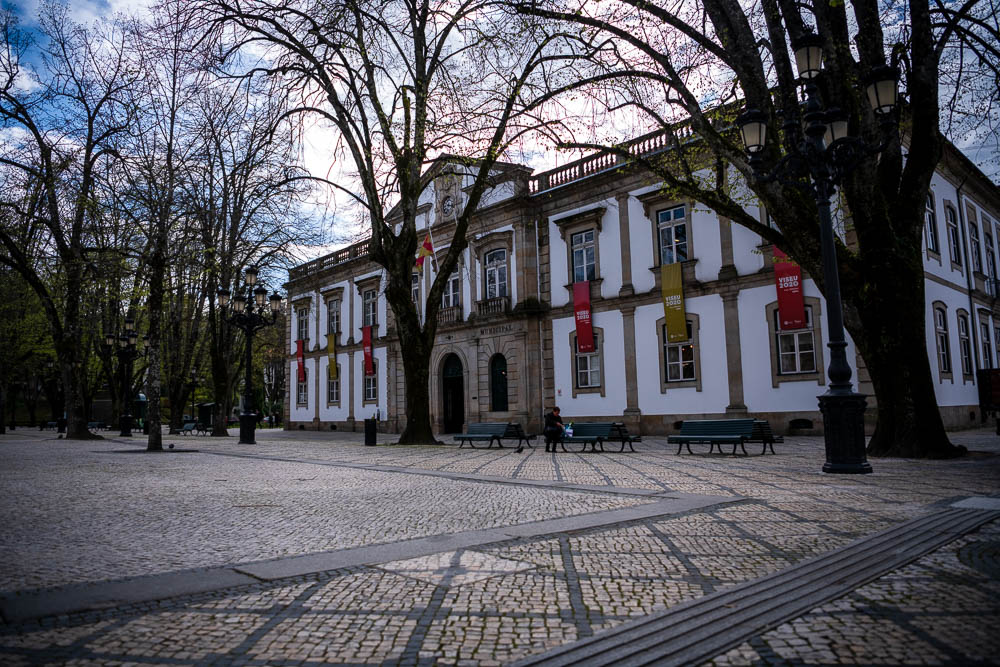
(85, 512)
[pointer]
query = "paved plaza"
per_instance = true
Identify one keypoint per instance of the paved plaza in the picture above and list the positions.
(309, 548)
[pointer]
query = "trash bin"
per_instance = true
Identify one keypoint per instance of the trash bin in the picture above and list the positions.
(371, 428)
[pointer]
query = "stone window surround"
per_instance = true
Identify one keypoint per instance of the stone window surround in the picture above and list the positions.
(364, 380)
(985, 342)
(942, 373)
(593, 219)
(950, 215)
(652, 203)
(960, 314)
(365, 285)
(494, 241)
(602, 389)
(819, 375)
(334, 294)
(340, 392)
(304, 302)
(931, 253)
(459, 269)
(665, 386)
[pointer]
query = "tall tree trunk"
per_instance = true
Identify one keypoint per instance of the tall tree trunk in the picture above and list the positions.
(154, 381)
(893, 342)
(71, 357)
(416, 364)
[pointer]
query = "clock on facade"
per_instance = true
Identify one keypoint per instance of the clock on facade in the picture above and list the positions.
(447, 205)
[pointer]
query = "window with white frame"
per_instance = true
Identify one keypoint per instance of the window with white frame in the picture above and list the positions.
(369, 307)
(977, 251)
(302, 323)
(954, 243)
(679, 358)
(371, 386)
(451, 297)
(964, 343)
(415, 290)
(984, 335)
(333, 389)
(302, 388)
(588, 367)
(941, 339)
(796, 348)
(672, 231)
(930, 225)
(583, 251)
(333, 316)
(496, 273)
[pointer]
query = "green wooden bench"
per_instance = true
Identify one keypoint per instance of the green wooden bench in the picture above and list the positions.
(592, 433)
(619, 433)
(713, 432)
(96, 426)
(189, 427)
(483, 432)
(763, 434)
(514, 431)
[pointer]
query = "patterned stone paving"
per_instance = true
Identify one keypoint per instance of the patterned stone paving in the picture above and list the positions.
(491, 604)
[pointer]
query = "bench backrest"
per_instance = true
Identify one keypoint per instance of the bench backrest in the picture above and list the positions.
(592, 429)
(488, 428)
(189, 426)
(514, 430)
(762, 430)
(738, 427)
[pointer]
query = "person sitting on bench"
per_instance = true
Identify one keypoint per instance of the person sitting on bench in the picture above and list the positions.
(553, 429)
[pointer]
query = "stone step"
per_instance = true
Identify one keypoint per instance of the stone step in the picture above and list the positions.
(700, 629)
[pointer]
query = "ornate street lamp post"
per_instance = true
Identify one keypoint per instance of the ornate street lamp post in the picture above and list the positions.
(249, 314)
(126, 352)
(818, 164)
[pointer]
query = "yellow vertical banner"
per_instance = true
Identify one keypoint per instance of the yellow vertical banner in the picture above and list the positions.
(672, 290)
(331, 353)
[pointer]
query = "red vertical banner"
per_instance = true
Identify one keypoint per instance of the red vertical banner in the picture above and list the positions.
(584, 326)
(300, 356)
(366, 344)
(788, 280)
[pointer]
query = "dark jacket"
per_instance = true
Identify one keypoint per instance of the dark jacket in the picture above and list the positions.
(553, 422)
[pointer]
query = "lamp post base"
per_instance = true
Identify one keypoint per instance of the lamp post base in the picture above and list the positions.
(248, 424)
(844, 433)
(126, 423)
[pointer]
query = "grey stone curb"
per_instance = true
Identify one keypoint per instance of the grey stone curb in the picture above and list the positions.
(698, 630)
(22, 606)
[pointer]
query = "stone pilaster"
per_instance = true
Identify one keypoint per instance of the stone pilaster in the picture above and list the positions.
(632, 413)
(734, 357)
(626, 245)
(350, 385)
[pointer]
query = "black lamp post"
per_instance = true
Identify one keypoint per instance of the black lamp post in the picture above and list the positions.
(249, 314)
(818, 164)
(126, 352)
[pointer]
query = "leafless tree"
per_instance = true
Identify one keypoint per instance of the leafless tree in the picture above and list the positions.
(687, 68)
(402, 83)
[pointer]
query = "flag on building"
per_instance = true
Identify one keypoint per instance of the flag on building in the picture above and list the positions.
(426, 250)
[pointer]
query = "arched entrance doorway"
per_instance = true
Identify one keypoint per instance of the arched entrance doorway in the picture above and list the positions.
(453, 394)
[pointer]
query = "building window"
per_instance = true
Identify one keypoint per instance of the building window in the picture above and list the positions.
(977, 253)
(796, 348)
(369, 307)
(588, 367)
(954, 244)
(584, 249)
(996, 342)
(498, 383)
(302, 324)
(451, 297)
(991, 253)
(930, 226)
(333, 389)
(371, 385)
(302, 388)
(672, 232)
(415, 290)
(964, 343)
(984, 334)
(941, 340)
(680, 362)
(796, 354)
(333, 316)
(496, 273)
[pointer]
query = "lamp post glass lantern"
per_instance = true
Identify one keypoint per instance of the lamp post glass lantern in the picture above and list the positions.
(821, 158)
(249, 314)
